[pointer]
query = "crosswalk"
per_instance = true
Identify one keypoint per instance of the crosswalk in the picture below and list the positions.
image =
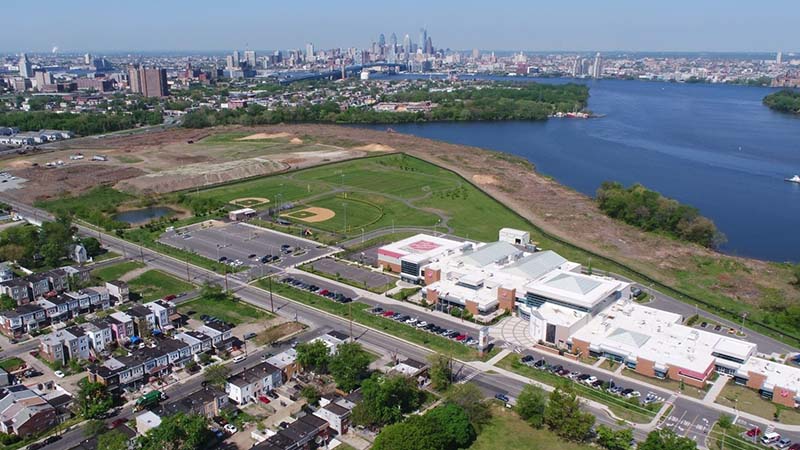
(687, 424)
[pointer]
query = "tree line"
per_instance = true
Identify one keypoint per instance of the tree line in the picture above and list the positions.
(650, 211)
(528, 101)
(786, 101)
(83, 124)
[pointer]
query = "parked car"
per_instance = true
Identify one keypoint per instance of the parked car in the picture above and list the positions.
(239, 359)
(502, 397)
(590, 380)
(59, 374)
(231, 428)
(248, 336)
(783, 443)
(770, 438)
(633, 394)
(377, 310)
(528, 360)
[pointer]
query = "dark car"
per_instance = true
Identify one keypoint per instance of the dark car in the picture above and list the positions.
(223, 258)
(527, 358)
(251, 256)
(502, 397)
(377, 310)
(35, 446)
(51, 439)
(541, 364)
(583, 377)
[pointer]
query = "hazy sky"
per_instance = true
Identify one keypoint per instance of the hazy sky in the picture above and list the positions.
(675, 25)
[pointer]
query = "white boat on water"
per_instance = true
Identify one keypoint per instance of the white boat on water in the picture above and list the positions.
(794, 179)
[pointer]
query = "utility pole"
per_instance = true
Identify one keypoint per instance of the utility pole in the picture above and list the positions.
(141, 253)
(271, 301)
(350, 312)
(226, 279)
(188, 276)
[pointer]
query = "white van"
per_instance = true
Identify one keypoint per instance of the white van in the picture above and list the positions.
(241, 358)
(770, 438)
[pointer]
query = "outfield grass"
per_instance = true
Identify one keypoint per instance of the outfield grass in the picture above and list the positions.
(235, 312)
(154, 284)
(115, 271)
(632, 410)
(507, 431)
(267, 187)
(362, 315)
(352, 213)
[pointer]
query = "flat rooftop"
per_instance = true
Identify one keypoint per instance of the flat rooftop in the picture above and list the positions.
(575, 288)
(632, 331)
(778, 375)
(419, 247)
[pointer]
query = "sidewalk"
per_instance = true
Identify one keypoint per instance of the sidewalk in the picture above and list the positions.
(716, 388)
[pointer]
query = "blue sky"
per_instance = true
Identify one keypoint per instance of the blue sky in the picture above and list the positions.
(643, 25)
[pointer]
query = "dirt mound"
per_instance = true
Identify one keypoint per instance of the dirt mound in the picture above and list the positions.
(259, 136)
(202, 174)
(296, 141)
(484, 179)
(374, 148)
(312, 214)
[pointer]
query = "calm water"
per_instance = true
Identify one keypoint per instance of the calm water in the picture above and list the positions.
(137, 216)
(715, 147)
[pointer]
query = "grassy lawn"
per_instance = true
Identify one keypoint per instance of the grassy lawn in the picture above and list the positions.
(731, 439)
(358, 214)
(508, 432)
(672, 385)
(632, 410)
(114, 271)
(105, 256)
(11, 364)
(268, 187)
(749, 400)
(95, 206)
(276, 333)
(362, 315)
(235, 312)
(154, 284)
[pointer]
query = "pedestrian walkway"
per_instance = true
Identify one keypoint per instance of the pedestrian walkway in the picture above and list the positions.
(716, 388)
(498, 357)
(513, 330)
(598, 362)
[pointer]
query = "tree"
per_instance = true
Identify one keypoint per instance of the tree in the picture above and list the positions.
(92, 246)
(178, 432)
(7, 303)
(213, 291)
(311, 394)
(564, 416)
(470, 398)
(216, 375)
(666, 439)
(349, 366)
(93, 399)
(441, 371)
(614, 440)
(385, 399)
(313, 356)
(796, 274)
(112, 440)
(531, 404)
(94, 427)
(725, 421)
(445, 427)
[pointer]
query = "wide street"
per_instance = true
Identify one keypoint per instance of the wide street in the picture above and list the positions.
(689, 416)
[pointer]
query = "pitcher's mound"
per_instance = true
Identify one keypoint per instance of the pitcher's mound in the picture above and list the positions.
(312, 214)
(249, 202)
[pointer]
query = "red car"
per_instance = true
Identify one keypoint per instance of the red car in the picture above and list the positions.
(118, 422)
(753, 432)
(170, 297)
(323, 292)
(388, 314)
(461, 337)
(263, 399)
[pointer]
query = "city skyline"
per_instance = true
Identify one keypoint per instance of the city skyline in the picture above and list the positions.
(681, 26)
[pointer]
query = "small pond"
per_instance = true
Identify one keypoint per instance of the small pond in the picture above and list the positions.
(144, 215)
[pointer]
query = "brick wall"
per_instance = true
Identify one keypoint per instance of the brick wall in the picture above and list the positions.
(581, 347)
(432, 276)
(645, 367)
(783, 396)
(506, 298)
(392, 267)
(432, 297)
(472, 307)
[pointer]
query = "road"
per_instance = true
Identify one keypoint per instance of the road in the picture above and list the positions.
(695, 411)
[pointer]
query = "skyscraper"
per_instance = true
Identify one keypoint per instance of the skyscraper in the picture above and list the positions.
(236, 59)
(407, 46)
(87, 59)
(229, 65)
(393, 41)
(428, 46)
(381, 40)
(24, 66)
(779, 58)
(250, 58)
(148, 82)
(309, 52)
(423, 38)
(597, 68)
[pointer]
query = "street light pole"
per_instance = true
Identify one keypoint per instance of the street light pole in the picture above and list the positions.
(271, 302)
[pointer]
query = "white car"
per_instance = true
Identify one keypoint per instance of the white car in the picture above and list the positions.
(239, 359)
(422, 324)
(231, 428)
(634, 394)
(59, 374)
(590, 380)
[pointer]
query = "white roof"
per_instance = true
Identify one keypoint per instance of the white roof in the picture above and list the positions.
(420, 247)
(243, 211)
(558, 315)
(574, 288)
(778, 375)
(634, 331)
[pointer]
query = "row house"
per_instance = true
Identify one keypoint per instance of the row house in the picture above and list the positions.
(23, 412)
(119, 290)
(197, 341)
(24, 319)
(121, 326)
(31, 287)
(162, 310)
(220, 333)
(63, 345)
(143, 320)
(100, 334)
(254, 382)
(142, 364)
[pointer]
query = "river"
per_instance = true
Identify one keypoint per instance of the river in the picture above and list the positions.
(715, 147)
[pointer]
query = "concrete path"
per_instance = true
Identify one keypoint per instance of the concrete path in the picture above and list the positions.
(498, 357)
(716, 388)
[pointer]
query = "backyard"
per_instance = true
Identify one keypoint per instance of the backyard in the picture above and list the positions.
(508, 432)
(154, 284)
(115, 271)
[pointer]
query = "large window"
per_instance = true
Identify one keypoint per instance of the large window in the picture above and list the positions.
(409, 268)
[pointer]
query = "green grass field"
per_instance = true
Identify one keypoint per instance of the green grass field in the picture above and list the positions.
(268, 187)
(234, 312)
(115, 271)
(154, 284)
(349, 212)
(11, 364)
(508, 432)
(750, 401)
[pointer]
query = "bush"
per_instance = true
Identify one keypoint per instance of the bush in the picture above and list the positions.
(692, 320)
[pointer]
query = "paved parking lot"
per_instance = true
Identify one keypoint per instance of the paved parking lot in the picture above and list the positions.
(237, 241)
(354, 273)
